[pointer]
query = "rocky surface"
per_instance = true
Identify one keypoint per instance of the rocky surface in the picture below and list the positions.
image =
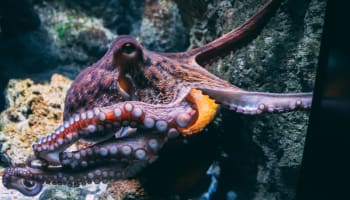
(266, 150)
(80, 38)
(162, 28)
(34, 110)
(121, 17)
(262, 153)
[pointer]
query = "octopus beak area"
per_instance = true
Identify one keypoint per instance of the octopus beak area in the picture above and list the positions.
(110, 160)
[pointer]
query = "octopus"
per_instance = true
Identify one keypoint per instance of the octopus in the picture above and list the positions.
(132, 101)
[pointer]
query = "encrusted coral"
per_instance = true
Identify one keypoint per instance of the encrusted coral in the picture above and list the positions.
(34, 110)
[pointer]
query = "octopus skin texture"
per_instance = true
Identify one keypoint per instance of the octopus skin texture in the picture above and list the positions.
(133, 101)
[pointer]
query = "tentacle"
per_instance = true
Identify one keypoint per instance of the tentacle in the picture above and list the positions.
(258, 102)
(16, 178)
(29, 181)
(113, 151)
(104, 122)
(125, 159)
(235, 38)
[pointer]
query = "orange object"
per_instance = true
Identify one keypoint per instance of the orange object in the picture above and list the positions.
(206, 111)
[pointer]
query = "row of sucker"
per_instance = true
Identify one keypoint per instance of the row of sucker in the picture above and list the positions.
(71, 179)
(128, 150)
(271, 108)
(102, 122)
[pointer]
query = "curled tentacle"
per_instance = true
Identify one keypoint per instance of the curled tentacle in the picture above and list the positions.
(125, 159)
(104, 122)
(29, 181)
(20, 179)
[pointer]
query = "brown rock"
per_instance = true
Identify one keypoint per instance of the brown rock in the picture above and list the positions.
(34, 110)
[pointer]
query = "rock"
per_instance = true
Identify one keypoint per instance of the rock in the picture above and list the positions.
(121, 17)
(162, 28)
(126, 189)
(34, 110)
(62, 193)
(80, 39)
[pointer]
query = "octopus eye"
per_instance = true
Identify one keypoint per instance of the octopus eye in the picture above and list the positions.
(128, 48)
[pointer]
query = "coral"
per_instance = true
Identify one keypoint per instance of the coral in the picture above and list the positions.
(33, 111)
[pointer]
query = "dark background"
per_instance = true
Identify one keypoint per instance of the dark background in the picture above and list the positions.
(325, 168)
